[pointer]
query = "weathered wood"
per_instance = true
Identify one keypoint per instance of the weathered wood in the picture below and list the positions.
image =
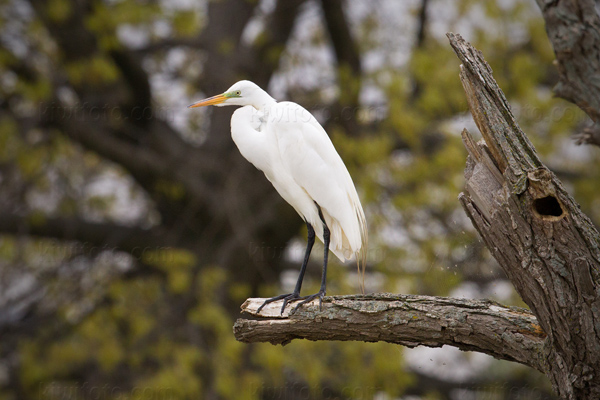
(485, 326)
(547, 247)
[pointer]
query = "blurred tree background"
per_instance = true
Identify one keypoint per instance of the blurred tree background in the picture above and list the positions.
(132, 229)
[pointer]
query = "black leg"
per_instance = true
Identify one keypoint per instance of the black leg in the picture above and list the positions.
(296, 293)
(309, 246)
(321, 293)
(325, 257)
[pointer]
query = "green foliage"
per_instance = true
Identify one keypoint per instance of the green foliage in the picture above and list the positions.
(185, 23)
(96, 71)
(171, 189)
(9, 142)
(361, 370)
(176, 263)
(59, 10)
(226, 46)
(107, 16)
(444, 96)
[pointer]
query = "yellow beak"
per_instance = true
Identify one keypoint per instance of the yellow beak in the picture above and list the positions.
(218, 99)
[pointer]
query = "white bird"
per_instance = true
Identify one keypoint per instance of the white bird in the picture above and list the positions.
(286, 142)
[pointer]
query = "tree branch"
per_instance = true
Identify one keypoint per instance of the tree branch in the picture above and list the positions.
(422, 27)
(590, 135)
(174, 162)
(573, 28)
(75, 40)
(474, 325)
(102, 234)
(168, 44)
(345, 48)
(420, 42)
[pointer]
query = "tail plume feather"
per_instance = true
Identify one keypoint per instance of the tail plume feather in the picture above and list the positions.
(361, 255)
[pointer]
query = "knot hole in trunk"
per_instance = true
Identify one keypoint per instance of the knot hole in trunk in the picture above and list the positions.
(548, 208)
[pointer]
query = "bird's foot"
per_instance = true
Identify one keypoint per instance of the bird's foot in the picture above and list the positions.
(289, 297)
(307, 299)
(286, 299)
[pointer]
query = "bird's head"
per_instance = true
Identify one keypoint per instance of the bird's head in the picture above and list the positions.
(242, 93)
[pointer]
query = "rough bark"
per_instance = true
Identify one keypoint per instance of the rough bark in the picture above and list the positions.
(573, 27)
(547, 247)
(508, 333)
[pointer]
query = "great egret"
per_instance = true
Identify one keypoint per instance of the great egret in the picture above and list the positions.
(296, 155)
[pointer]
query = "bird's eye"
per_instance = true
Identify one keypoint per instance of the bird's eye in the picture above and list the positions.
(238, 92)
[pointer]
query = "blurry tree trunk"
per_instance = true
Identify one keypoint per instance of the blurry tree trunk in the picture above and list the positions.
(573, 27)
(420, 41)
(349, 66)
(546, 246)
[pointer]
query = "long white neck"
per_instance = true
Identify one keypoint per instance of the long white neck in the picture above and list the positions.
(262, 101)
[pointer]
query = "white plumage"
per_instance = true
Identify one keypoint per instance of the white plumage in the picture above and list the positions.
(295, 153)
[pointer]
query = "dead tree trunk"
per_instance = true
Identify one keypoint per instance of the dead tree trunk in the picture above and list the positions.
(548, 248)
